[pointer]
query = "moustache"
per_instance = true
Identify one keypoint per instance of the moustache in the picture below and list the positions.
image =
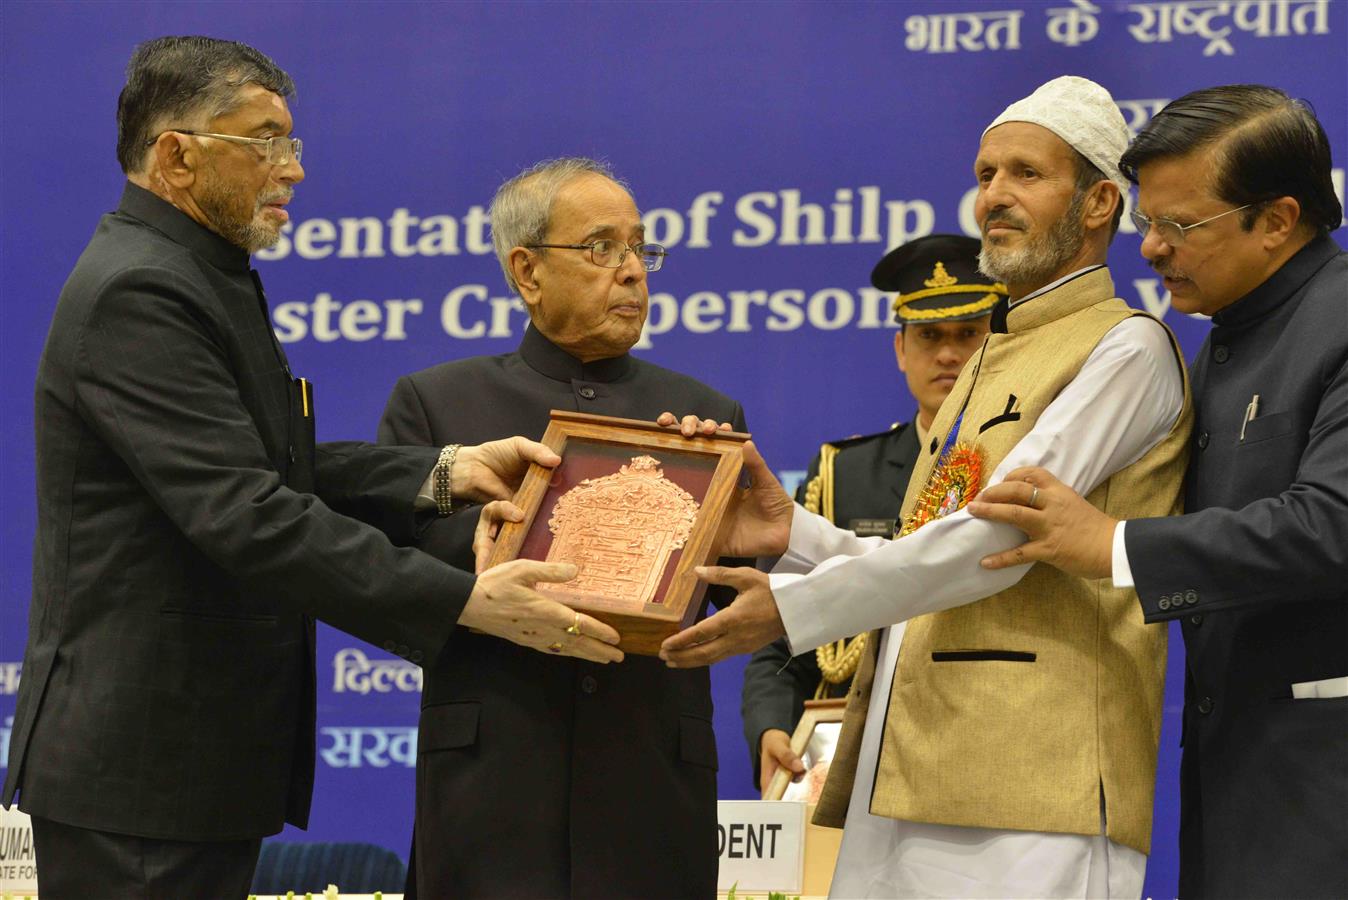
(286, 195)
(1002, 219)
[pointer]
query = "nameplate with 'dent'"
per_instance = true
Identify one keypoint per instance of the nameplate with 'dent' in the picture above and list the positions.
(761, 844)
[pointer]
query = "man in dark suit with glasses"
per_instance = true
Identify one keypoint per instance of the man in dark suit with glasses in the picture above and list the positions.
(189, 528)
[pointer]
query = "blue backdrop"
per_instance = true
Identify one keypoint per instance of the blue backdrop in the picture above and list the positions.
(778, 149)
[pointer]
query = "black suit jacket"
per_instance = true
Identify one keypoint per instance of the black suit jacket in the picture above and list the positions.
(870, 476)
(540, 776)
(187, 528)
(1255, 571)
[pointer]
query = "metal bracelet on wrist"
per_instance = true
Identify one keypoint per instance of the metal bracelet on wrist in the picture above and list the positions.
(444, 477)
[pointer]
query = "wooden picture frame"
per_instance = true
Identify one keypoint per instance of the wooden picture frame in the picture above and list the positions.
(817, 712)
(636, 567)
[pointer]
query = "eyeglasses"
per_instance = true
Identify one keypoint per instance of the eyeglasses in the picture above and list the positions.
(280, 150)
(610, 254)
(1173, 232)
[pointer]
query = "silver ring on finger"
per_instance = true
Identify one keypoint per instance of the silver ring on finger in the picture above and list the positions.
(1034, 495)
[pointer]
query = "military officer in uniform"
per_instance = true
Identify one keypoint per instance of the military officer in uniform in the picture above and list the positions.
(942, 308)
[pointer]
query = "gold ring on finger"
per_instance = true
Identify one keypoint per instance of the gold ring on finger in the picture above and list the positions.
(555, 647)
(575, 627)
(1034, 495)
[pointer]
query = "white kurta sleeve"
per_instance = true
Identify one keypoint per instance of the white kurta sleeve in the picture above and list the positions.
(1122, 570)
(815, 539)
(830, 584)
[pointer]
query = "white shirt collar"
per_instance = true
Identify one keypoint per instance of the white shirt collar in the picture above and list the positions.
(1048, 287)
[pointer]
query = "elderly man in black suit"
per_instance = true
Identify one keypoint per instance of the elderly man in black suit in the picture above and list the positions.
(540, 777)
(189, 529)
(1235, 205)
(942, 309)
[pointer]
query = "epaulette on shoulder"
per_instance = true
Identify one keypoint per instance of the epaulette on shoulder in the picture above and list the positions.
(819, 490)
(863, 438)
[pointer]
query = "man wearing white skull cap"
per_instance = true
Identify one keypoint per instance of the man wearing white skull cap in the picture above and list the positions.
(1000, 737)
(1252, 573)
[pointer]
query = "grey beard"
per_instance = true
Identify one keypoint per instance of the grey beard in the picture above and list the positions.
(1043, 256)
(252, 238)
(244, 235)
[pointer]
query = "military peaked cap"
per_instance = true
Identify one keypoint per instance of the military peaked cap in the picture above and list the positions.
(937, 280)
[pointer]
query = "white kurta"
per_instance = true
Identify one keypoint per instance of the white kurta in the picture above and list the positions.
(832, 584)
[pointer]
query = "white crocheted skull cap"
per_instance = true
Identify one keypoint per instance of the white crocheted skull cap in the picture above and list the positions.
(1083, 114)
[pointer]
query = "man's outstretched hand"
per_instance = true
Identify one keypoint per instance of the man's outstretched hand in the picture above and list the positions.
(761, 522)
(748, 623)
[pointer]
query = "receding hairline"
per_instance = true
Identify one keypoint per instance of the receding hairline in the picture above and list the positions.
(237, 102)
(578, 177)
(245, 93)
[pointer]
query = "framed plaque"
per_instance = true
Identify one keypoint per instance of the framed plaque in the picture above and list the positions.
(636, 507)
(814, 740)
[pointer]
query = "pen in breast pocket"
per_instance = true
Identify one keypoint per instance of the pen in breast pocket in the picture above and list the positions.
(304, 399)
(1250, 412)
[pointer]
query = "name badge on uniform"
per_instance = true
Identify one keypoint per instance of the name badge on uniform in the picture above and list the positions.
(873, 527)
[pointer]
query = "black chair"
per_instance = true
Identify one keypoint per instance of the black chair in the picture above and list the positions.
(354, 868)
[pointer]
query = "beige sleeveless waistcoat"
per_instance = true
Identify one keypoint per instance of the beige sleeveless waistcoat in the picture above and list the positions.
(1016, 711)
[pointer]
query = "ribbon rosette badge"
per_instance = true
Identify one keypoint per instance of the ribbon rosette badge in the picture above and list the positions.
(953, 483)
